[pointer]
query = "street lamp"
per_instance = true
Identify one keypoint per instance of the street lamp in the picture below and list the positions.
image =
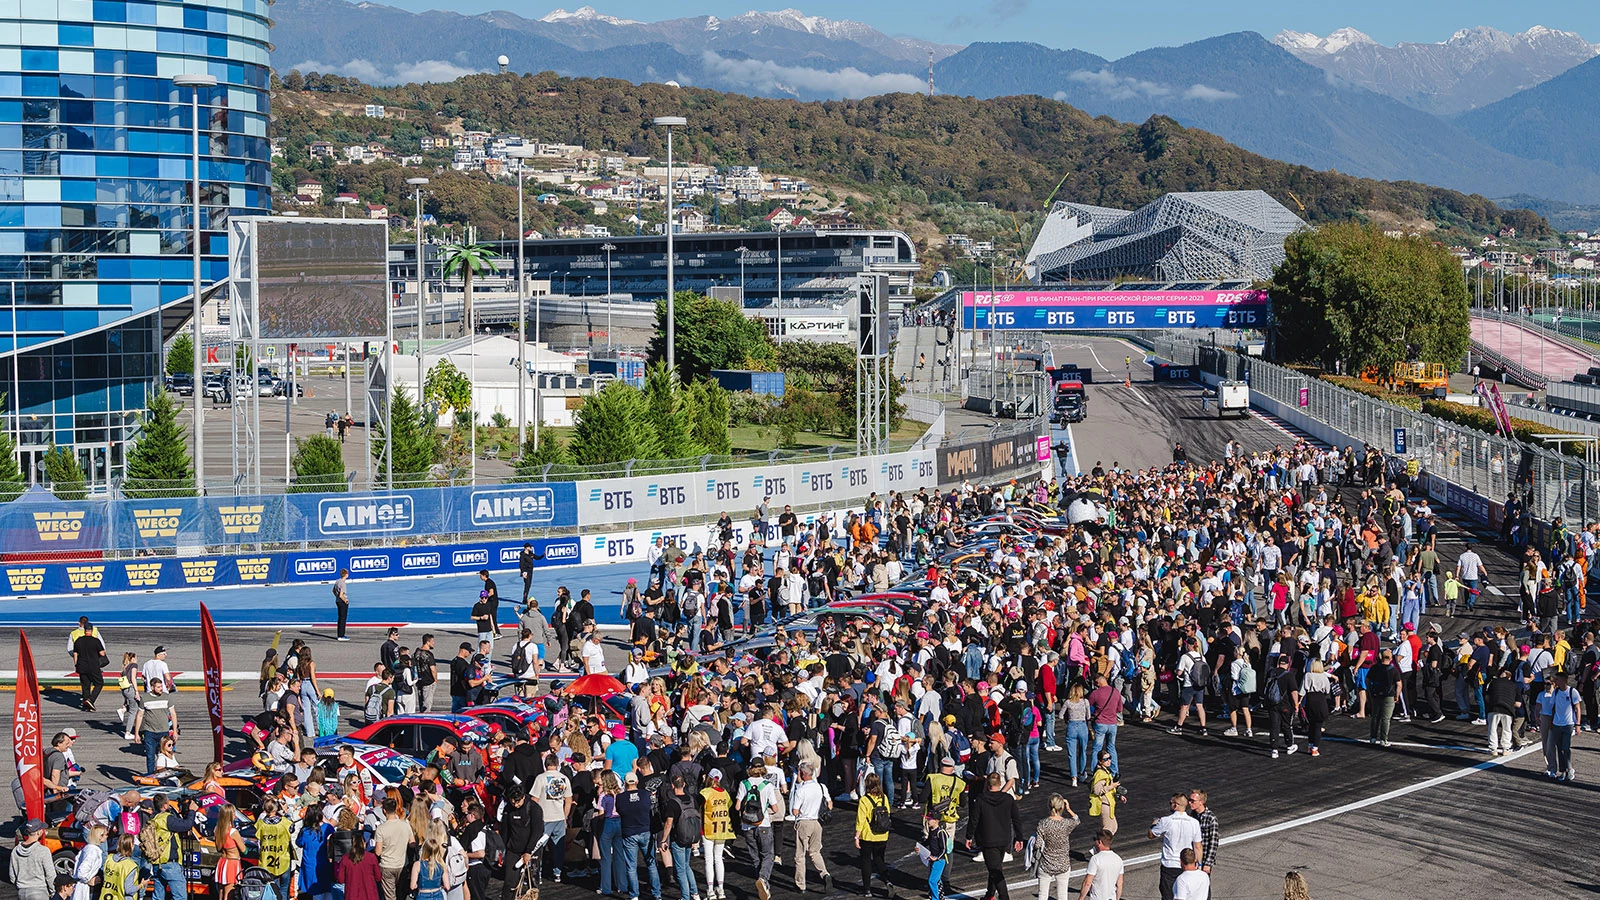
(608, 247)
(416, 184)
(669, 123)
(521, 154)
(742, 251)
(195, 83)
(344, 203)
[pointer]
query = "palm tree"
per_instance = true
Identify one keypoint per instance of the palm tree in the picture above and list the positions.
(466, 259)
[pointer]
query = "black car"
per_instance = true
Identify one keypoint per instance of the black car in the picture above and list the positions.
(181, 383)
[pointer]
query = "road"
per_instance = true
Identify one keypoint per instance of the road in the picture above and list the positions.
(1434, 816)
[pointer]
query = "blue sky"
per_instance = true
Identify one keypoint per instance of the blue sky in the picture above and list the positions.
(1109, 28)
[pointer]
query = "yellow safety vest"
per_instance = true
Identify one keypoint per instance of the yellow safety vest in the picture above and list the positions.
(273, 834)
(115, 874)
(163, 838)
(943, 787)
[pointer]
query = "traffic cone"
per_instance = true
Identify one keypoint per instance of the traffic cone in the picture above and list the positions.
(1127, 381)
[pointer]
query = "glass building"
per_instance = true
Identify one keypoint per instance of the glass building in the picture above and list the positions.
(95, 201)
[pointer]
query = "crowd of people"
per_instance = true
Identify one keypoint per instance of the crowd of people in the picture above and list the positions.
(1293, 585)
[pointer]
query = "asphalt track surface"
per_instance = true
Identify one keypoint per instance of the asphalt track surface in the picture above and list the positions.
(1433, 816)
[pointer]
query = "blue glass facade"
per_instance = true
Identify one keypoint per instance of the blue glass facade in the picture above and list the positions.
(95, 204)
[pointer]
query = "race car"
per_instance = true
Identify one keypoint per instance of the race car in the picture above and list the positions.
(378, 766)
(512, 715)
(419, 734)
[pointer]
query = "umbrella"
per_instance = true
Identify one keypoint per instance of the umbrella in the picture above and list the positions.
(596, 685)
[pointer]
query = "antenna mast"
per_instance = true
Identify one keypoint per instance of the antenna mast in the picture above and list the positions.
(930, 73)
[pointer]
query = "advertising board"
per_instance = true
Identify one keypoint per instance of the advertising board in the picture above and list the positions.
(1079, 310)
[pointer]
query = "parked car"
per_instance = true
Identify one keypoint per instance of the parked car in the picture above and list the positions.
(418, 735)
(181, 383)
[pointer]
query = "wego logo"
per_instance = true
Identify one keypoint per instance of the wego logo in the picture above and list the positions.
(143, 574)
(25, 580)
(241, 519)
(58, 526)
(154, 523)
(255, 568)
(200, 571)
(85, 578)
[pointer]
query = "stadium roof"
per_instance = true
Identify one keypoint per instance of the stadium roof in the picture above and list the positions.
(1191, 236)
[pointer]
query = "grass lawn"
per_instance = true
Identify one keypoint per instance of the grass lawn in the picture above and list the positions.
(765, 437)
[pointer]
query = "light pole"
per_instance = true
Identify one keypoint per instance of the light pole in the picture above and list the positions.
(344, 204)
(670, 122)
(742, 251)
(521, 154)
(195, 83)
(416, 184)
(608, 247)
(780, 285)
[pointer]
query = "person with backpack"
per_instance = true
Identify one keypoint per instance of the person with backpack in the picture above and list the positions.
(380, 698)
(944, 793)
(1242, 676)
(884, 747)
(716, 806)
(159, 842)
(1282, 700)
(1193, 676)
(759, 805)
(682, 828)
(874, 817)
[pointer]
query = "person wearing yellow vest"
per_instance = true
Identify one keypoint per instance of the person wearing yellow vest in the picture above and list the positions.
(159, 841)
(716, 815)
(120, 874)
(942, 802)
(273, 834)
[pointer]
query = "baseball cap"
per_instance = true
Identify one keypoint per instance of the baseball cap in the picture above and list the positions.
(1409, 626)
(159, 650)
(949, 720)
(633, 581)
(32, 826)
(715, 775)
(70, 732)
(327, 692)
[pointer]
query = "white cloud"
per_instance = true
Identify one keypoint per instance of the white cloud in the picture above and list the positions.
(769, 77)
(1117, 87)
(1207, 93)
(401, 73)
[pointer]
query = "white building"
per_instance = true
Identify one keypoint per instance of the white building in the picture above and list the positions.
(490, 361)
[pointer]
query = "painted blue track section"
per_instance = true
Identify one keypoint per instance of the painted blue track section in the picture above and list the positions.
(440, 600)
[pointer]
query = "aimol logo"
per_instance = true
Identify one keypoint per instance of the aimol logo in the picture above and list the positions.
(241, 519)
(58, 526)
(335, 517)
(254, 568)
(322, 565)
(24, 580)
(154, 523)
(85, 578)
(469, 558)
(369, 563)
(202, 571)
(143, 574)
(517, 506)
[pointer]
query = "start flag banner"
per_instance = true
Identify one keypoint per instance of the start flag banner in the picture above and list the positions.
(27, 745)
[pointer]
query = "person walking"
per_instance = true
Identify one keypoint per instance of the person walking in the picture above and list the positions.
(1383, 689)
(1316, 687)
(1281, 700)
(633, 808)
(128, 684)
(1077, 711)
(1565, 708)
(1178, 832)
(341, 601)
(1104, 789)
(682, 826)
(89, 662)
(391, 841)
(873, 818)
(1053, 840)
(1107, 703)
(716, 806)
(1210, 832)
(808, 800)
(995, 828)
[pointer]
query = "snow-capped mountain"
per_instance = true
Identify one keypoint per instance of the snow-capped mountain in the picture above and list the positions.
(584, 14)
(1475, 67)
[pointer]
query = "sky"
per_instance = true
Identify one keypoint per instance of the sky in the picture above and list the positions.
(1109, 28)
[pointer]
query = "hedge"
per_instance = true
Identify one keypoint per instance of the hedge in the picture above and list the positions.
(1483, 420)
(1412, 402)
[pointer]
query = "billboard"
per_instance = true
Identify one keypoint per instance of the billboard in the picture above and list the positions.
(321, 279)
(1074, 310)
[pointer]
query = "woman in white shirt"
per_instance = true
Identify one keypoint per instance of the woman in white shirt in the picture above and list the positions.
(1316, 689)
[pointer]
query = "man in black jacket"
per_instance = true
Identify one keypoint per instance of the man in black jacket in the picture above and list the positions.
(996, 828)
(521, 766)
(521, 826)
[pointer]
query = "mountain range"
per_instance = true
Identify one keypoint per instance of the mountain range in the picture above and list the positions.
(1482, 112)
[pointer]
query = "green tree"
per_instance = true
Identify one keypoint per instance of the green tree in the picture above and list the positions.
(710, 334)
(552, 451)
(159, 464)
(827, 367)
(66, 477)
(181, 357)
(318, 465)
(465, 261)
(1350, 294)
(671, 412)
(614, 425)
(712, 409)
(448, 386)
(11, 483)
(416, 440)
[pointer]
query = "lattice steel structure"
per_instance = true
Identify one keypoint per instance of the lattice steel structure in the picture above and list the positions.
(1200, 236)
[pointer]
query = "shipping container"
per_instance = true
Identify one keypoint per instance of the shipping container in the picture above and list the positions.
(627, 370)
(747, 380)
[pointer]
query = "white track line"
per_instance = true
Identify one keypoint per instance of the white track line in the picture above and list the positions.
(1309, 819)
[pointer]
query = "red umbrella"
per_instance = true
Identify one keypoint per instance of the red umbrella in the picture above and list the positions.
(597, 685)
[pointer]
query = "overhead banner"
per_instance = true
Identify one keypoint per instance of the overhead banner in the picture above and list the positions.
(995, 458)
(1045, 310)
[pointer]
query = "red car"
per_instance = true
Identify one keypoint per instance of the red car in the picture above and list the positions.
(511, 715)
(418, 735)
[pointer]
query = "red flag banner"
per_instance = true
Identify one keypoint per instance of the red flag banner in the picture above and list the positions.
(211, 661)
(26, 742)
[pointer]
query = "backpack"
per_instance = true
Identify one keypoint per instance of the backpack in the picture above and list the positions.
(751, 810)
(635, 610)
(1028, 717)
(519, 658)
(893, 745)
(691, 604)
(494, 848)
(1247, 680)
(960, 746)
(1274, 695)
(86, 803)
(373, 711)
(1199, 673)
(1130, 665)
(687, 827)
(878, 819)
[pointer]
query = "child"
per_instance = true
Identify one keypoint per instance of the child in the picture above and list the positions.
(120, 874)
(937, 858)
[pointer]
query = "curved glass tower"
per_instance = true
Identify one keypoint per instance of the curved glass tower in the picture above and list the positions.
(95, 201)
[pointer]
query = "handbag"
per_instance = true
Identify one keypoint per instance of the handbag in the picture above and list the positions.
(526, 889)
